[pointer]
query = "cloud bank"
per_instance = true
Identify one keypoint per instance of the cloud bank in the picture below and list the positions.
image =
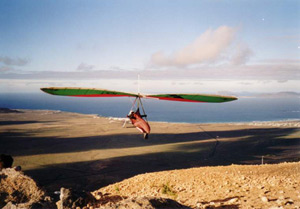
(208, 47)
(267, 71)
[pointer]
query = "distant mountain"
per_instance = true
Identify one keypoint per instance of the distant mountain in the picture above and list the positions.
(284, 94)
(279, 94)
(7, 110)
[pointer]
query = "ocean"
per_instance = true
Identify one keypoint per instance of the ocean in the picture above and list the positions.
(242, 110)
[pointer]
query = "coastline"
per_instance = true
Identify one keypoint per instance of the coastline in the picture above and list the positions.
(295, 122)
(291, 120)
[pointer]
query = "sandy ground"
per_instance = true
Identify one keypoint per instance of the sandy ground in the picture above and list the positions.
(87, 152)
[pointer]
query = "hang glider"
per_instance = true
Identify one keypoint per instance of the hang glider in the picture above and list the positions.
(136, 117)
(91, 92)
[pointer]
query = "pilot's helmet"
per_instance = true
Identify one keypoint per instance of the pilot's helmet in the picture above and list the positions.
(130, 112)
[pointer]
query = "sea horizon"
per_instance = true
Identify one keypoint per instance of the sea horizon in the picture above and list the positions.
(245, 109)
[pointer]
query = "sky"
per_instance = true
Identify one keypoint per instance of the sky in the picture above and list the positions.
(181, 46)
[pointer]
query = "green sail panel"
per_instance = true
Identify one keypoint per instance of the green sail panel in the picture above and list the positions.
(85, 92)
(193, 98)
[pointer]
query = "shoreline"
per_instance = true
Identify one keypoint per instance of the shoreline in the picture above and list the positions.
(292, 122)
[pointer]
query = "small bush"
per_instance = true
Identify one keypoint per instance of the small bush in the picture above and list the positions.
(166, 189)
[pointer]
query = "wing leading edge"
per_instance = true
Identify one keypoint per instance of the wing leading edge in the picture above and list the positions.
(85, 92)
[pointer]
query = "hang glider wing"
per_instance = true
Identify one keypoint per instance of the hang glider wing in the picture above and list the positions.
(85, 92)
(193, 97)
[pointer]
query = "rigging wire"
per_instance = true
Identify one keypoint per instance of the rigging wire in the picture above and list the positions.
(214, 149)
(143, 109)
(133, 104)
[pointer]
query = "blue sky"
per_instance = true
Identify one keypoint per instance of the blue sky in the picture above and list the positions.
(254, 44)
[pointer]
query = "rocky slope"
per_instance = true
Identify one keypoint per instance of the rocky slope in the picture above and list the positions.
(20, 191)
(235, 186)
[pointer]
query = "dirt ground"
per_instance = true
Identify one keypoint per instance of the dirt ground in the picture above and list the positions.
(87, 152)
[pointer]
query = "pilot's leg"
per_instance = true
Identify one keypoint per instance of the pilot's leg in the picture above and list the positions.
(145, 136)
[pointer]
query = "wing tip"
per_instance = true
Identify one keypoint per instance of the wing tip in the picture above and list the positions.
(232, 99)
(43, 89)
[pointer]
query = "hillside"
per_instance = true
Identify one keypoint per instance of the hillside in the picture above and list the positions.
(235, 186)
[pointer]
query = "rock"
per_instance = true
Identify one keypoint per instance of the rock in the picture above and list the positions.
(180, 189)
(289, 202)
(10, 205)
(65, 199)
(72, 199)
(98, 195)
(260, 187)
(233, 200)
(18, 188)
(37, 205)
(264, 199)
(147, 202)
(48, 199)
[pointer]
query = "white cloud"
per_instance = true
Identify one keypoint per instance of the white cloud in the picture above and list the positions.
(6, 69)
(206, 48)
(241, 55)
